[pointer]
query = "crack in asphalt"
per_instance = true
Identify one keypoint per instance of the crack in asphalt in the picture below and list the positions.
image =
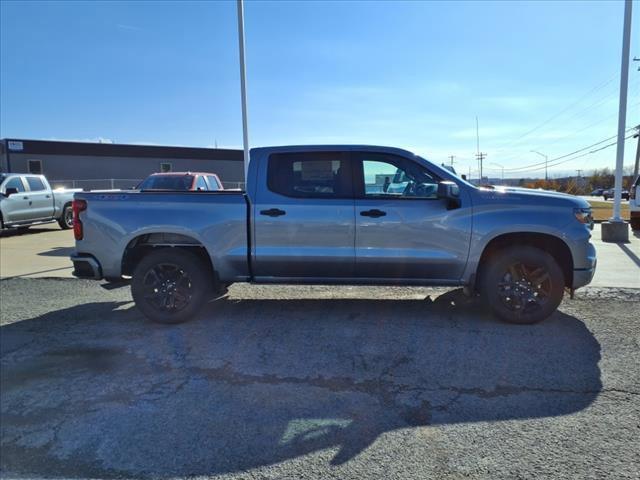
(380, 386)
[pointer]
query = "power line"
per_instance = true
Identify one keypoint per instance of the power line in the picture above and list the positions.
(598, 87)
(582, 113)
(577, 157)
(591, 125)
(568, 154)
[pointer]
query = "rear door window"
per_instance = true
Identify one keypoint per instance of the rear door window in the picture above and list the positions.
(213, 183)
(35, 184)
(310, 175)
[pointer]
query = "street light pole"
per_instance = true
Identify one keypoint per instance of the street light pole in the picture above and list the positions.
(243, 90)
(622, 112)
(546, 164)
(616, 229)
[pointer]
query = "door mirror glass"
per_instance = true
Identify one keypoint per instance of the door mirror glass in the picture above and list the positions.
(10, 191)
(448, 190)
(451, 193)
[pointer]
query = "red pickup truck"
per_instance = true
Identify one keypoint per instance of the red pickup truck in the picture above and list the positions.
(182, 181)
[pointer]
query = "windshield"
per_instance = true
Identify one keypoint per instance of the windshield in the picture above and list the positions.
(447, 172)
(167, 182)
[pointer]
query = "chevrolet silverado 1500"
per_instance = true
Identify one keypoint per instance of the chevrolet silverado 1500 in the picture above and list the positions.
(27, 200)
(338, 215)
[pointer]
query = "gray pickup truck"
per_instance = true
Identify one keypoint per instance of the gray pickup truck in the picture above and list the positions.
(27, 200)
(338, 215)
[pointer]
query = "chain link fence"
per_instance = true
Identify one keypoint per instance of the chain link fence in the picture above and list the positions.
(117, 184)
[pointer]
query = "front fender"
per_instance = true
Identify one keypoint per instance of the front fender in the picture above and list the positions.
(490, 222)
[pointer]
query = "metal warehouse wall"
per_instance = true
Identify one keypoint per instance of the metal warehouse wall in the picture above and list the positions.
(78, 167)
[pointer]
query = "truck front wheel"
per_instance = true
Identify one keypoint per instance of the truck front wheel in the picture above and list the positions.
(171, 285)
(522, 284)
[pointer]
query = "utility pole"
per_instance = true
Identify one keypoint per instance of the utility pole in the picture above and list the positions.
(578, 179)
(451, 157)
(481, 156)
(546, 164)
(243, 90)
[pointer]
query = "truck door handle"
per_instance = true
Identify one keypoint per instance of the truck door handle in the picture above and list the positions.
(272, 212)
(375, 213)
(25, 198)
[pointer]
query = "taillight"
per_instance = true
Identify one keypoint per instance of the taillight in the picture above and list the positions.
(78, 206)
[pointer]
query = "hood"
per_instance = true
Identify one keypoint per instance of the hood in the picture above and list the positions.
(530, 195)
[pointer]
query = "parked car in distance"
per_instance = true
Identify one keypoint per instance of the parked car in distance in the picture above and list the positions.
(27, 200)
(322, 214)
(597, 192)
(634, 204)
(607, 194)
(182, 181)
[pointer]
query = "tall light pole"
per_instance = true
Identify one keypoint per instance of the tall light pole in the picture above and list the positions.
(622, 111)
(616, 230)
(243, 90)
(546, 162)
(501, 166)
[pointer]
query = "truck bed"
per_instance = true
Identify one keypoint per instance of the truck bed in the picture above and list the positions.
(215, 220)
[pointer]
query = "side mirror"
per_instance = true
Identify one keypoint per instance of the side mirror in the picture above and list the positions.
(450, 192)
(10, 191)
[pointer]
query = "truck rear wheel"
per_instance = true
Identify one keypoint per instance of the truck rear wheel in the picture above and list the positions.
(66, 219)
(522, 284)
(171, 285)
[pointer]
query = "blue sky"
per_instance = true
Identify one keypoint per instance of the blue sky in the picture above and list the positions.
(407, 74)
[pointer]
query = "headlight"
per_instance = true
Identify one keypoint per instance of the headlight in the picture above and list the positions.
(583, 215)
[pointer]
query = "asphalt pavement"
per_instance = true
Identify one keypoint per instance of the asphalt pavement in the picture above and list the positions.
(316, 383)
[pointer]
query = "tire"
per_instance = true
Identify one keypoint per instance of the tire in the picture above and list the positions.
(66, 219)
(508, 284)
(171, 285)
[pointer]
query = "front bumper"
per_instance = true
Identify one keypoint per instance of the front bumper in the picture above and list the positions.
(583, 276)
(86, 266)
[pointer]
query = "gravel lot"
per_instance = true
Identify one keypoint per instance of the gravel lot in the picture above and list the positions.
(280, 382)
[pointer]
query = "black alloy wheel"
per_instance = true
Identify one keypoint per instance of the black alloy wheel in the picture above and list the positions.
(170, 285)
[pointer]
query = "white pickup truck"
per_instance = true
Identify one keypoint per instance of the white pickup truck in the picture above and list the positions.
(27, 200)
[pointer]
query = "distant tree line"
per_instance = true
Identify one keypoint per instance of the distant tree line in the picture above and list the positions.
(599, 178)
